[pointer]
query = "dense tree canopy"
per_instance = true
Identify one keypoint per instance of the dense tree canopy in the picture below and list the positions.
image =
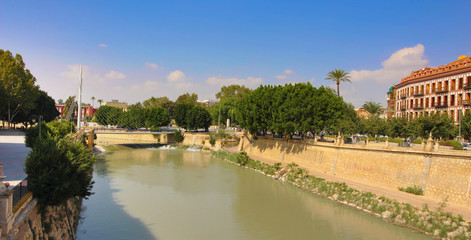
(223, 110)
(373, 108)
(44, 106)
(288, 109)
(17, 86)
(188, 99)
(192, 117)
(232, 91)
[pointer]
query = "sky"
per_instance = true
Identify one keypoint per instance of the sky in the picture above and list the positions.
(133, 50)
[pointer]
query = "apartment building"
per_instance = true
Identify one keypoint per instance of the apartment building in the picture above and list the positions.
(445, 89)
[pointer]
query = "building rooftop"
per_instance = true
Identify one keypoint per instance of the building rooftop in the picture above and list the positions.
(462, 63)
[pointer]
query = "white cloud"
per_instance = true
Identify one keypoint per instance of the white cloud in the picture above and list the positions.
(151, 65)
(399, 65)
(102, 45)
(286, 75)
(249, 82)
(73, 71)
(112, 75)
(176, 77)
(281, 77)
(289, 71)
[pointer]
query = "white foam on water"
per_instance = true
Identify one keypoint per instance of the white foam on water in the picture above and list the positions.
(194, 149)
(169, 147)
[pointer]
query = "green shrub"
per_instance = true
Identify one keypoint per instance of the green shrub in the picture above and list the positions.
(212, 140)
(414, 190)
(242, 158)
(417, 141)
(56, 129)
(178, 135)
(452, 143)
(58, 170)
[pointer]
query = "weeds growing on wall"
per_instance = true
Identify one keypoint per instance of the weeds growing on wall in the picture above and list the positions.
(433, 222)
(417, 190)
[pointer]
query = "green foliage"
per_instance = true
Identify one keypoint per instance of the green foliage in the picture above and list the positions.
(107, 115)
(58, 170)
(160, 102)
(44, 106)
(338, 75)
(232, 91)
(187, 99)
(452, 143)
(373, 108)
(18, 91)
(192, 117)
(242, 158)
(224, 109)
(56, 129)
(417, 190)
(292, 108)
(178, 136)
(212, 140)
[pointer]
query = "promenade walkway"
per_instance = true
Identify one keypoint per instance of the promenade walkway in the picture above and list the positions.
(12, 154)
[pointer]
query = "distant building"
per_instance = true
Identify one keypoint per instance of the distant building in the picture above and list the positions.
(86, 110)
(361, 112)
(445, 89)
(116, 103)
(208, 102)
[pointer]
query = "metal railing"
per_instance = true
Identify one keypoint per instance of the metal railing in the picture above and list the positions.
(19, 191)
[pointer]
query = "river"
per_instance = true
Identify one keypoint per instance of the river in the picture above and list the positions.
(182, 194)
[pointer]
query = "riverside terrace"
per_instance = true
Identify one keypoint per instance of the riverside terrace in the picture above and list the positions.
(13, 153)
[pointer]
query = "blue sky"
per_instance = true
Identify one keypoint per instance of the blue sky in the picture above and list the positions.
(133, 50)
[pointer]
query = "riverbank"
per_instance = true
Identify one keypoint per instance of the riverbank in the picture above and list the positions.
(433, 220)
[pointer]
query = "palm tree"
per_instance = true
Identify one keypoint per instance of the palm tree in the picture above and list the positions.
(338, 75)
(100, 101)
(373, 108)
(93, 101)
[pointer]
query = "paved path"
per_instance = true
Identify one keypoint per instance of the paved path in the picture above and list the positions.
(414, 200)
(12, 154)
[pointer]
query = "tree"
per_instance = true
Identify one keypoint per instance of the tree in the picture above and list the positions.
(58, 170)
(338, 76)
(44, 106)
(60, 101)
(156, 117)
(192, 117)
(232, 91)
(107, 115)
(224, 109)
(466, 125)
(100, 101)
(187, 98)
(17, 85)
(93, 101)
(373, 108)
(162, 102)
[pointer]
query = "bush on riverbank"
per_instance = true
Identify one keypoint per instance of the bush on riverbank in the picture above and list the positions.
(58, 169)
(437, 223)
(178, 135)
(414, 190)
(55, 129)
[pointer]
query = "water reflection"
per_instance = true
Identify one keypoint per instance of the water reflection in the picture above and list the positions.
(178, 194)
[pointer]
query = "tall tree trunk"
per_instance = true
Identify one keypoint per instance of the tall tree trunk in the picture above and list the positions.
(338, 88)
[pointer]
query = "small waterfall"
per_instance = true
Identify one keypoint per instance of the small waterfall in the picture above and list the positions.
(194, 149)
(168, 147)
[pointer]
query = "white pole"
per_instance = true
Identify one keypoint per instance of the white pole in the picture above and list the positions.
(79, 108)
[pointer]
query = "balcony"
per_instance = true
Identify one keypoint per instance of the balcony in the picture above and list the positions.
(467, 102)
(403, 108)
(441, 105)
(467, 86)
(418, 94)
(403, 96)
(440, 90)
(418, 106)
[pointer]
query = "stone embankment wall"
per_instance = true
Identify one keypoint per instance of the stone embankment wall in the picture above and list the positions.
(440, 173)
(52, 223)
(111, 138)
(200, 139)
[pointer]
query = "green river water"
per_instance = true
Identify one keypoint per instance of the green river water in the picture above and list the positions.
(182, 194)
